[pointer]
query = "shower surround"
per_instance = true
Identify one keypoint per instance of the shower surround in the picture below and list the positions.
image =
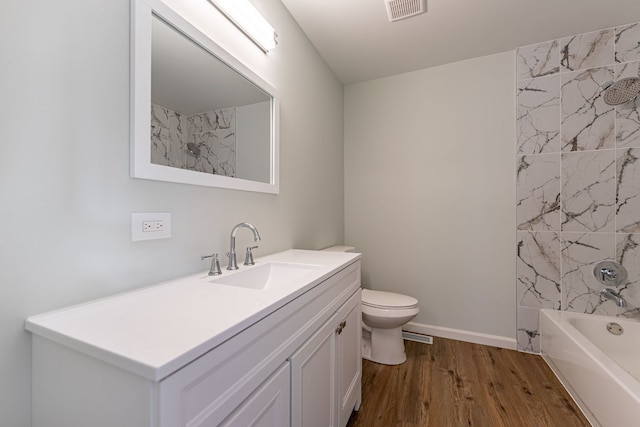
(578, 176)
(214, 132)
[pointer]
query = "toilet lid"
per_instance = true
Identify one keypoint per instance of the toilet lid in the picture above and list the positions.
(381, 299)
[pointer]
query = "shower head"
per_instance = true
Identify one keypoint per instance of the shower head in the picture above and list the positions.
(193, 149)
(622, 91)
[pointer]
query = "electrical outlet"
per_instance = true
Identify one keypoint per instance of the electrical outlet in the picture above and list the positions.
(147, 226)
(152, 226)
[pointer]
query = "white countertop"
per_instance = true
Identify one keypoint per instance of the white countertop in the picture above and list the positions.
(156, 330)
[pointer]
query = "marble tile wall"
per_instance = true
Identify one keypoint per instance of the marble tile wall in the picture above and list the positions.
(212, 131)
(578, 176)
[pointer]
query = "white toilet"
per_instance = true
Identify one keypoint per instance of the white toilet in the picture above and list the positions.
(383, 315)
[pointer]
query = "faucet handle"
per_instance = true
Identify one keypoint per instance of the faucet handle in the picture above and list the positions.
(248, 259)
(215, 264)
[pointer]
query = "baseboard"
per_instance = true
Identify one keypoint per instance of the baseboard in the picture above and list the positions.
(461, 335)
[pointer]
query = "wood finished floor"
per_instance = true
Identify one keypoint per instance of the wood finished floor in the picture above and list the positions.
(454, 383)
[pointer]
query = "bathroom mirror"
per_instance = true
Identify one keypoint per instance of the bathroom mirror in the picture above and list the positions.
(199, 116)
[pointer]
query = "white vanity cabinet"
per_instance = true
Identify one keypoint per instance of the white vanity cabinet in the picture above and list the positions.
(298, 364)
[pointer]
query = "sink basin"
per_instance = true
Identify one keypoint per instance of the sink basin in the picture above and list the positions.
(266, 276)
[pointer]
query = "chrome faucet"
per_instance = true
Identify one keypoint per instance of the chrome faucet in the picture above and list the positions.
(611, 294)
(233, 264)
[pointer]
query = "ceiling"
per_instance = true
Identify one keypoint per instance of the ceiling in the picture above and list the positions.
(359, 43)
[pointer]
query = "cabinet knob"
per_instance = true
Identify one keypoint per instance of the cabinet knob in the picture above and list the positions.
(341, 327)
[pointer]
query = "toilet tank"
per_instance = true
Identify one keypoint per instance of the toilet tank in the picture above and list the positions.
(340, 249)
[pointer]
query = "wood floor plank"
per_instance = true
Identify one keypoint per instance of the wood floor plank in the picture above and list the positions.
(454, 383)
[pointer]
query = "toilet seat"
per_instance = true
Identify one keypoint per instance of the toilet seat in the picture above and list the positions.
(387, 300)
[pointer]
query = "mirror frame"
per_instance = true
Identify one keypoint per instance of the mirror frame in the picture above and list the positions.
(140, 163)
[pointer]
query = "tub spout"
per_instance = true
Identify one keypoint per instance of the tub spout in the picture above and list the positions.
(611, 294)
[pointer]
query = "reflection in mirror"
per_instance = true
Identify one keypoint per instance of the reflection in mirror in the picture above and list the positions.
(204, 116)
(207, 123)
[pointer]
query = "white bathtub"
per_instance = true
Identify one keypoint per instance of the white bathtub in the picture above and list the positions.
(600, 370)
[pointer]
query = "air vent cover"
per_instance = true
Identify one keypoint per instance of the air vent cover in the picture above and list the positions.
(400, 9)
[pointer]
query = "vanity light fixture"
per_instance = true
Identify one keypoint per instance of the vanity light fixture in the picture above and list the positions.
(247, 18)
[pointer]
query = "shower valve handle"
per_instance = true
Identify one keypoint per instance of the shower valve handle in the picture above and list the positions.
(607, 274)
(610, 273)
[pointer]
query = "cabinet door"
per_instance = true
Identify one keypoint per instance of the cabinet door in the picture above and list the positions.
(268, 406)
(349, 360)
(313, 373)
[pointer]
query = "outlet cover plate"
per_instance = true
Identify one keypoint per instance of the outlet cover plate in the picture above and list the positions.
(161, 229)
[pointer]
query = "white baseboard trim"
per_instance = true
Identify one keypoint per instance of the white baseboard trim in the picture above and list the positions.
(460, 335)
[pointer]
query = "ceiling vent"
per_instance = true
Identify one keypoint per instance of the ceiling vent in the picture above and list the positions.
(400, 9)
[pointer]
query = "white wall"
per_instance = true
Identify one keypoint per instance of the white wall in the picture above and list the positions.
(253, 144)
(66, 195)
(430, 190)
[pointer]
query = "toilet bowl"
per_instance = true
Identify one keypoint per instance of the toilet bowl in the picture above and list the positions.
(383, 315)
